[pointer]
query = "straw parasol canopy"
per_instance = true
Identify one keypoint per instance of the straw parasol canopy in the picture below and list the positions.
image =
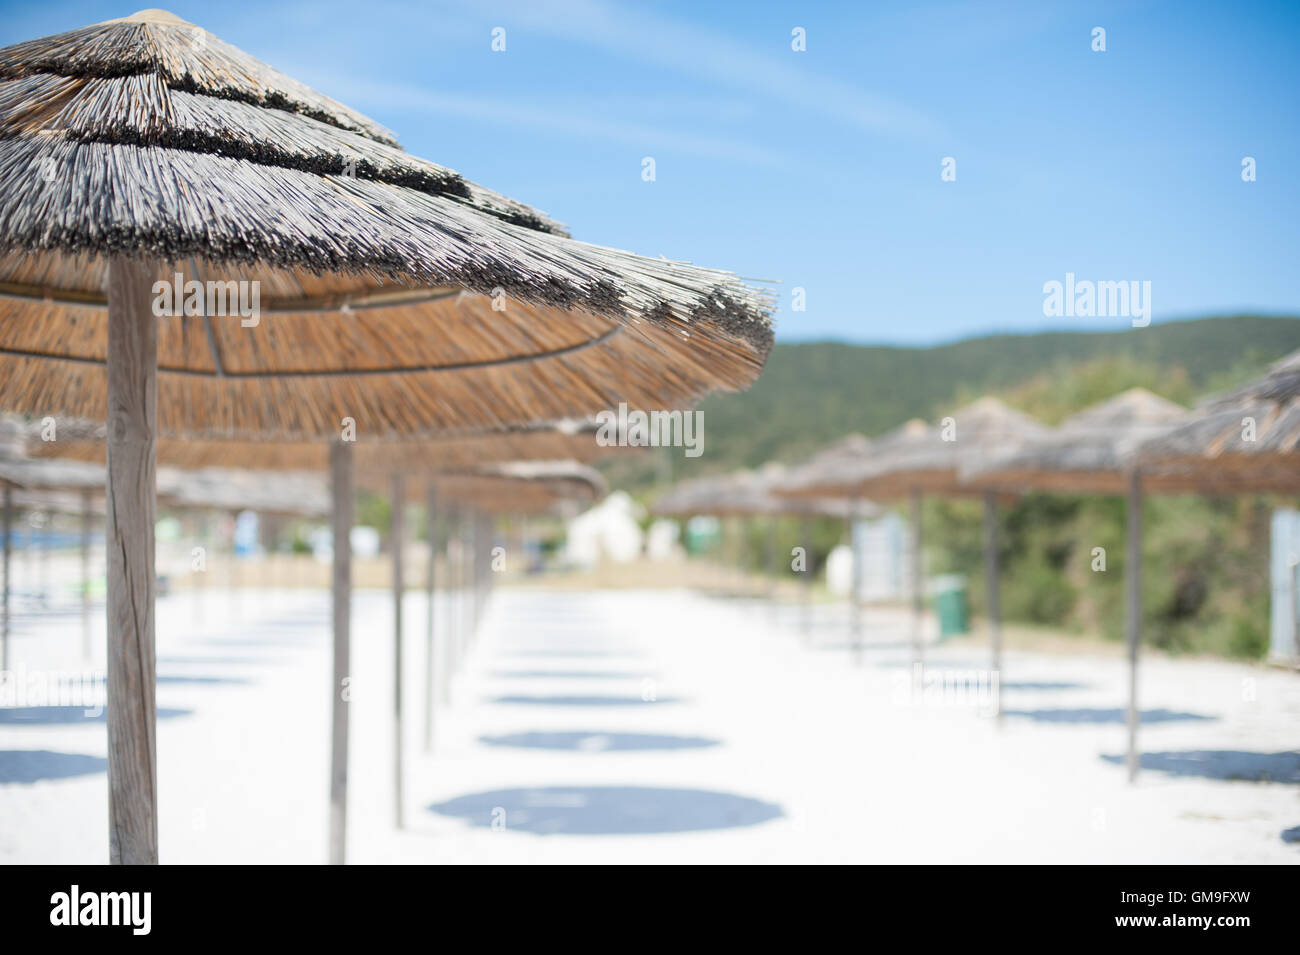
(566, 440)
(1087, 452)
(193, 244)
(290, 494)
(853, 447)
(390, 290)
(920, 457)
(522, 487)
(917, 459)
(1245, 440)
(745, 494)
(40, 475)
(735, 494)
(1091, 453)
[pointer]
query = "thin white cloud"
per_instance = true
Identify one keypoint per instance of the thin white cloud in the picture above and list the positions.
(791, 79)
(383, 97)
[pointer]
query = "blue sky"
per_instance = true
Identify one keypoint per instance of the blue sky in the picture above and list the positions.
(821, 168)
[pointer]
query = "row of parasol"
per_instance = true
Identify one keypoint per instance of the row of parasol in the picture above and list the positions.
(223, 267)
(1136, 443)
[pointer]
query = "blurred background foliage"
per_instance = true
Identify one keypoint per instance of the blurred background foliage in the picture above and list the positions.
(1205, 574)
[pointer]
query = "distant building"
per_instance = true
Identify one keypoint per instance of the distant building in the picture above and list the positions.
(610, 531)
(883, 544)
(1284, 630)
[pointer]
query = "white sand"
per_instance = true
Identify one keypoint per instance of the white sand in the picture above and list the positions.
(831, 759)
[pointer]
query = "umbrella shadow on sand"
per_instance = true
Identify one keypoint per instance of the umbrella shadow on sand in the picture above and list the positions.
(1117, 715)
(201, 680)
(64, 715)
(568, 675)
(576, 653)
(1228, 764)
(841, 645)
(595, 742)
(33, 765)
(582, 700)
(607, 810)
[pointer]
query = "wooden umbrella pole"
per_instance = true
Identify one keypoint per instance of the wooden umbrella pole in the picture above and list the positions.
(993, 588)
(769, 545)
(399, 515)
(8, 550)
(47, 529)
(130, 507)
(490, 529)
(430, 676)
(471, 589)
(85, 575)
(450, 642)
(918, 596)
(342, 490)
(806, 533)
(855, 582)
(236, 578)
(201, 576)
(1133, 577)
(483, 533)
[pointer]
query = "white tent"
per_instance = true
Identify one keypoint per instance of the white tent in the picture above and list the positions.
(610, 531)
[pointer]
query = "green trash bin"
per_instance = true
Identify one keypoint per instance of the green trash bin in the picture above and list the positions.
(950, 604)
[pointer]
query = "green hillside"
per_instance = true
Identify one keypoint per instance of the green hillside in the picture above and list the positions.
(811, 394)
(1206, 581)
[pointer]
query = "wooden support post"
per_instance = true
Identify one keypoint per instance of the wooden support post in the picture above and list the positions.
(430, 675)
(805, 532)
(769, 546)
(452, 589)
(43, 565)
(918, 583)
(85, 576)
(992, 583)
(471, 605)
(343, 492)
(196, 575)
(1133, 577)
(398, 543)
(236, 576)
(855, 582)
(130, 506)
(8, 552)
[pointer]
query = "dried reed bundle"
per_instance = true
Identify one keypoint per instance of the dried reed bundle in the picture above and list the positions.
(392, 291)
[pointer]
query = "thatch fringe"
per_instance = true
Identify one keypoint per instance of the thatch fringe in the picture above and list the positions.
(142, 110)
(187, 58)
(1087, 453)
(111, 158)
(171, 205)
(918, 456)
(84, 441)
(752, 494)
(1247, 439)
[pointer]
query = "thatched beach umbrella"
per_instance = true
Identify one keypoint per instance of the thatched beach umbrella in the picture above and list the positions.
(1089, 454)
(338, 286)
(1247, 440)
(479, 472)
(505, 487)
(751, 494)
(828, 460)
(735, 495)
(414, 454)
(83, 480)
(918, 459)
